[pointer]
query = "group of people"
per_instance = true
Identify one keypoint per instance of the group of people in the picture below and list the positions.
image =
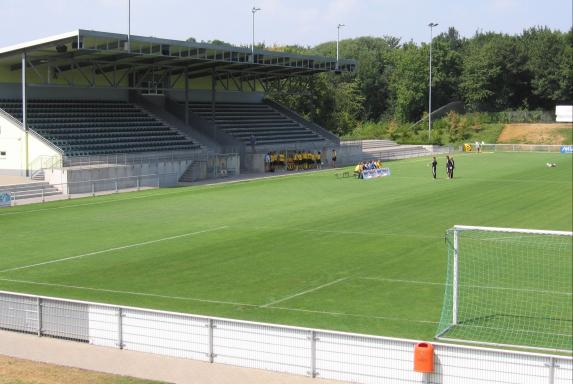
(366, 165)
(450, 166)
(295, 160)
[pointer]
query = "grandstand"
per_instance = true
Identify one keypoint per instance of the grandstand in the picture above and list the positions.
(92, 127)
(267, 125)
(91, 95)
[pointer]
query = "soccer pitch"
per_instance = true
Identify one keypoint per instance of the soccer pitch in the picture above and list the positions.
(309, 249)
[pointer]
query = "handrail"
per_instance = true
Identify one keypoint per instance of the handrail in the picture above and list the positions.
(19, 124)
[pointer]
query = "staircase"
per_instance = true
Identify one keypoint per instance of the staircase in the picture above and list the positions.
(193, 172)
(38, 175)
(30, 190)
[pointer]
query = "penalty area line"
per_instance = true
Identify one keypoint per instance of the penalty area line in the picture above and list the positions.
(272, 303)
(113, 249)
(221, 302)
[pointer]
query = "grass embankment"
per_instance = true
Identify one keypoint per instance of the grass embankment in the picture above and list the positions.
(18, 371)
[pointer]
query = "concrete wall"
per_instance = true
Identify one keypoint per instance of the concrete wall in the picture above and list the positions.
(98, 178)
(203, 95)
(13, 144)
(14, 91)
(254, 162)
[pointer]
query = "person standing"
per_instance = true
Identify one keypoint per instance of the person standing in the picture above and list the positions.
(434, 166)
(452, 166)
(448, 166)
(333, 158)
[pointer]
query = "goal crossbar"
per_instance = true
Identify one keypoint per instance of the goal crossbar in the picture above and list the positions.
(511, 230)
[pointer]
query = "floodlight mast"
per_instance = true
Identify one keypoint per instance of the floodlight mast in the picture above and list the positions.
(431, 25)
(254, 10)
(129, 25)
(337, 45)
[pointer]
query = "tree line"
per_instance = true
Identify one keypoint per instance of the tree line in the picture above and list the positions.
(489, 72)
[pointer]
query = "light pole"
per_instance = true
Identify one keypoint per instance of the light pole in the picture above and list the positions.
(129, 25)
(337, 44)
(431, 25)
(254, 10)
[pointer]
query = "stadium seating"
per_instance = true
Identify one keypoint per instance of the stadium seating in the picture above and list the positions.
(269, 126)
(87, 127)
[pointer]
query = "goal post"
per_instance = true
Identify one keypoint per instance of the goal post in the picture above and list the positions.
(508, 287)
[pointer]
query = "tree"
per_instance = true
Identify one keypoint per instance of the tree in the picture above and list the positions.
(549, 56)
(408, 81)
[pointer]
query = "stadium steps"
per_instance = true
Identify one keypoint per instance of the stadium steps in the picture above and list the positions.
(95, 127)
(30, 190)
(268, 125)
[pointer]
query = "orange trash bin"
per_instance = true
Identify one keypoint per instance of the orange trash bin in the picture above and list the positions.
(424, 358)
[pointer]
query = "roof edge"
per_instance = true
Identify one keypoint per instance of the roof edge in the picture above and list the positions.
(39, 42)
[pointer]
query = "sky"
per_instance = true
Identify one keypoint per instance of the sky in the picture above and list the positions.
(280, 22)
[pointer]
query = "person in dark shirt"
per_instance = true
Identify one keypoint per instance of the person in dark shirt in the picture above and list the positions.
(452, 166)
(448, 166)
(434, 166)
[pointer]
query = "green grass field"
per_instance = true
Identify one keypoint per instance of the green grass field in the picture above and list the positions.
(307, 249)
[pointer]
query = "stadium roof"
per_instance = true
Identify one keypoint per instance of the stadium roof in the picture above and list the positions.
(111, 52)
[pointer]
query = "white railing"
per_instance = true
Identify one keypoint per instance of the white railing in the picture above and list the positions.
(302, 351)
(76, 189)
(520, 148)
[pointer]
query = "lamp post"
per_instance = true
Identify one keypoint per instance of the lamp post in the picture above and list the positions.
(129, 25)
(254, 10)
(431, 25)
(337, 44)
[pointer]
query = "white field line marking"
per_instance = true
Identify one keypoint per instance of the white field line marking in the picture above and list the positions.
(530, 290)
(270, 304)
(218, 302)
(129, 293)
(344, 232)
(483, 179)
(165, 193)
(353, 315)
(113, 249)
(399, 280)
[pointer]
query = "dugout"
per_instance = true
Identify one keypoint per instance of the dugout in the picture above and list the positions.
(208, 98)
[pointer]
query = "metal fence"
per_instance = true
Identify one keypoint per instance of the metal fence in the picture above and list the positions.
(302, 351)
(520, 148)
(42, 192)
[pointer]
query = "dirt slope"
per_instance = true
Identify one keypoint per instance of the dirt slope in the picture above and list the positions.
(535, 133)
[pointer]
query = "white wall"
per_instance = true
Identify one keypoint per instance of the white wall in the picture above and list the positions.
(564, 113)
(332, 355)
(13, 142)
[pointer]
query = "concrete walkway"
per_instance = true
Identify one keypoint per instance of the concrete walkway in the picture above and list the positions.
(137, 364)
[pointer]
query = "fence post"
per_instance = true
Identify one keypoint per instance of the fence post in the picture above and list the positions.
(39, 307)
(120, 328)
(551, 365)
(312, 339)
(138, 183)
(211, 354)
(43, 193)
(93, 189)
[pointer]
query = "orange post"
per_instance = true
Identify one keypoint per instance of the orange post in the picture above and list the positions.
(424, 358)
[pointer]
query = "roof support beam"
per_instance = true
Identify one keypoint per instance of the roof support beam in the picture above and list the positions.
(25, 114)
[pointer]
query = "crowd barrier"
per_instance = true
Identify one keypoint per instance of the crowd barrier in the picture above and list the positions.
(302, 351)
